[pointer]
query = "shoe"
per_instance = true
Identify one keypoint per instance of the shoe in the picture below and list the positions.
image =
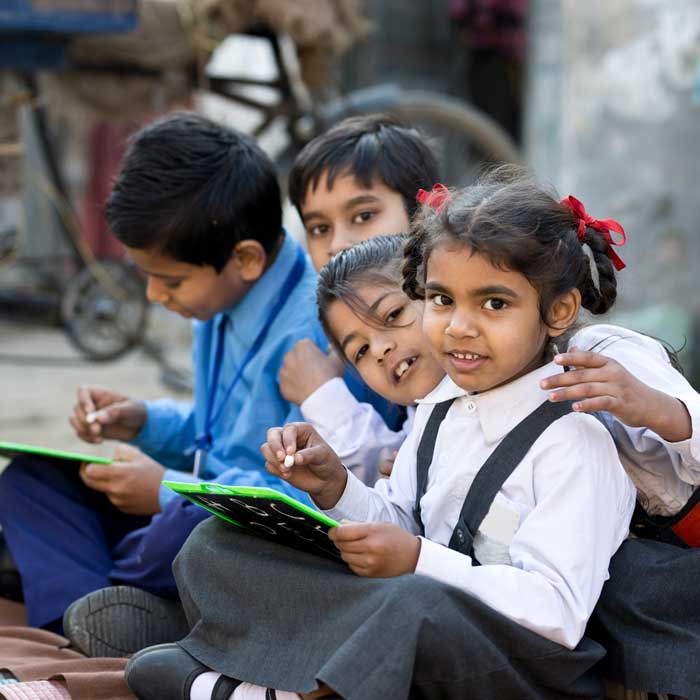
(10, 581)
(167, 671)
(120, 620)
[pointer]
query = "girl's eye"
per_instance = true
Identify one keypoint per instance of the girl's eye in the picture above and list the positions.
(495, 304)
(360, 353)
(172, 285)
(441, 300)
(363, 217)
(393, 315)
(319, 230)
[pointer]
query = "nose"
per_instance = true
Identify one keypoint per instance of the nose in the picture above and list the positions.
(380, 346)
(462, 325)
(156, 292)
(341, 240)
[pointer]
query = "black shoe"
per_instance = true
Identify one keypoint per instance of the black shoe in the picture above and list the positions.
(167, 671)
(10, 581)
(120, 620)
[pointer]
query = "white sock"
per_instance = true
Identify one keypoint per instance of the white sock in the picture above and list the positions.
(248, 691)
(203, 685)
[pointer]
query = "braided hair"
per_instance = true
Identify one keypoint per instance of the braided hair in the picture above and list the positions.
(517, 225)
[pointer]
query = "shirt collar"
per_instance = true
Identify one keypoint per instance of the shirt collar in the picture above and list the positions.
(245, 316)
(499, 410)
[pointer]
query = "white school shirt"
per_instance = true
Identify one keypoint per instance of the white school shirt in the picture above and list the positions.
(665, 473)
(355, 431)
(547, 540)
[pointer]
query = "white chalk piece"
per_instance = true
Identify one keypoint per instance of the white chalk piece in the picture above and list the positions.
(91, 417)
(289, 461)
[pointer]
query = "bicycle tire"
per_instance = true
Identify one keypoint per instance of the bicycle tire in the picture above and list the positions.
(99, 324)
(432, 112)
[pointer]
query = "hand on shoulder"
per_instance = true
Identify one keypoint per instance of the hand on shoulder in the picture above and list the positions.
(600, 383)
(306, 368)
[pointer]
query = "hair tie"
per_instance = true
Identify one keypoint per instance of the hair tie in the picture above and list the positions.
(436, 198)
(603, 226)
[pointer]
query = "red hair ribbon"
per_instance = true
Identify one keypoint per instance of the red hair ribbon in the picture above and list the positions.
(603, 226)
(436, 198)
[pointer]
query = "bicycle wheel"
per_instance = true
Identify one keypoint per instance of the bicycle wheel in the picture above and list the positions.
(466, 139)
(104, 316)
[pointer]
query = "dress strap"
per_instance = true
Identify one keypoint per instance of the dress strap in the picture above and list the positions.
(424, 457)
(497, 468)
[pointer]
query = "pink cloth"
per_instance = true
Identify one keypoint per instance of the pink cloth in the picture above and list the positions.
(35, 690)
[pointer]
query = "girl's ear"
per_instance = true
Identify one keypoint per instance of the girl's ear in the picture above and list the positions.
(250, 260)
(563, 312)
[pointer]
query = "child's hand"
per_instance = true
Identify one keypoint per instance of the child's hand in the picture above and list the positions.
(386, 466)
(378, 550)
(299, 455)
(131, 482)
(305, 369)
(599, 383)
(102, 413)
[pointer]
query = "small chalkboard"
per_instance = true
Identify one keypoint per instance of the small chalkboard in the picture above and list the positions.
(10, 450)
(265, 512)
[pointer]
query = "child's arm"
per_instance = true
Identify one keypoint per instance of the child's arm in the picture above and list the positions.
(582, 502)
(630, 377)
(357, 432)
(318, 471)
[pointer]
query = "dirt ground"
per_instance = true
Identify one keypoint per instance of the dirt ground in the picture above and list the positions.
(40, 372)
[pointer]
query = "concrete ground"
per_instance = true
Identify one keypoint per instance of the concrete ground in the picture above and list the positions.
(40, 372)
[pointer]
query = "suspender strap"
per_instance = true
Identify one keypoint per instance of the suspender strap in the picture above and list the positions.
(496, 470)
(424, 457)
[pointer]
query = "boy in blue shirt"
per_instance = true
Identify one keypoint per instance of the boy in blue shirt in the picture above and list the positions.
(198, 208)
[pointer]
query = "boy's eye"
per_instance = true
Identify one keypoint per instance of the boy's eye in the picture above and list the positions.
(318, 230)
(363, 217)
(495, 304)
(441, 300)
(172, 285)
(360, 353)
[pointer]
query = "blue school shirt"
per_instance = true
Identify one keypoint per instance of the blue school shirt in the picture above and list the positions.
(255, 404)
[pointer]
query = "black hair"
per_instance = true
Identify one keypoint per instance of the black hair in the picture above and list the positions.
(192, 189)
(519, 226)
(370, 148)
(375, 261)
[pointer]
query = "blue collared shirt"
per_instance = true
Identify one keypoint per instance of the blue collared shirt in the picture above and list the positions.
(255, 404)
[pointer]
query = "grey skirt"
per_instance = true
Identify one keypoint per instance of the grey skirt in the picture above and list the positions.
(267, 614)
(648, 618)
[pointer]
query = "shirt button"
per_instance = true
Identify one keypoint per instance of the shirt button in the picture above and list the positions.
(470, 406)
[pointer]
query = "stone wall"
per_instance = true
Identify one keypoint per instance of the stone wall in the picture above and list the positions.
(614, 117)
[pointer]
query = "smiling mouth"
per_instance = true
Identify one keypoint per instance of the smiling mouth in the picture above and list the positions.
(466, 355)
(403, 367)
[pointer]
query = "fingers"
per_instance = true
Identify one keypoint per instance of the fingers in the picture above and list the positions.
(85, 400)
(317, 454)
(97, 476)
(577, 392)
(386, 466)
(349, 532)
(83, 429)
(599, 403)
(575, 376)
(581, 358)
(126, 454)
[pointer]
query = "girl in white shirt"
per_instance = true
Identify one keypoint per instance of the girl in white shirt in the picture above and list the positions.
(505, 271)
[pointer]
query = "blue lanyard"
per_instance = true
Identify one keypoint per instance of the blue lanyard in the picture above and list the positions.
(203, 441)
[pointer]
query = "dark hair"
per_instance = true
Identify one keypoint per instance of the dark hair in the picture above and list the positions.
(371, 147)
(375, 261)
(192, 189)
(519, 226)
